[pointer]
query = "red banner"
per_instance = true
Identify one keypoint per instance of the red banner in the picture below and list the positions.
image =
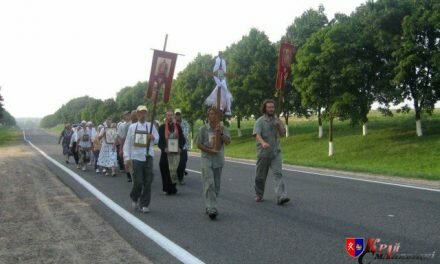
(287, 52)
(162, 71)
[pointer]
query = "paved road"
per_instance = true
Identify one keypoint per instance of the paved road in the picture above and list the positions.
(310, 229)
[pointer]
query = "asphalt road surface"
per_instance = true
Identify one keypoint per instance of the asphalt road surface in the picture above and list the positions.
(312, 228)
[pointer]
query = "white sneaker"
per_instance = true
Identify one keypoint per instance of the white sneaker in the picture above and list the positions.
(145, 210)
(97, 170)
(84, 168)
(78, 167)
(134, 205)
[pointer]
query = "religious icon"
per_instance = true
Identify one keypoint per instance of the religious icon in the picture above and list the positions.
(110, 135)
(173, 145)
(161, 74)
(140, 138)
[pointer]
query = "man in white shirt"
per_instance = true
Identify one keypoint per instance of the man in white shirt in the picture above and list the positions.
(139, 155)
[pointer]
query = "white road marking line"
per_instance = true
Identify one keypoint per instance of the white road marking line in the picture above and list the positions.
(168, 245)
(342, 177)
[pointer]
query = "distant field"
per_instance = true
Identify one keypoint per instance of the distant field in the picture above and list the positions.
(391, 146)
(8, 136)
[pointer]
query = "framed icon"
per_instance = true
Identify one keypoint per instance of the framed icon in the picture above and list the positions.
(140, 138)
(173, 145)
(110, 135)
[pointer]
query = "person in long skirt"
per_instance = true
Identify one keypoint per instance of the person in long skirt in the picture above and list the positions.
(107, 155)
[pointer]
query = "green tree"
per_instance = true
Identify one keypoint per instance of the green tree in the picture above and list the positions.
(1, 104)
(376, 33)
(192, 86)
(252, 67)
(107, 109)
(319, 73)
(49, 121)
(297, 33)
(7, 119)
(128, 98)
(417, 74)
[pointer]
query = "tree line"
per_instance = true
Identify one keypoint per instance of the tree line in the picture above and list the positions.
(386, 51)
(6, 119)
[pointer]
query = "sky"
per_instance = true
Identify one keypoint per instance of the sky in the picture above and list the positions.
(52, 51)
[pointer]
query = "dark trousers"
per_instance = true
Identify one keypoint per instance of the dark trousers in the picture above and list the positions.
(182, 165)
(119, 157)
(142, 179)
(96, 154)
(75, 153)
(167, 185)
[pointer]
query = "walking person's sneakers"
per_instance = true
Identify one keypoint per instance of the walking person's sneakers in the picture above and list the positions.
(145, 209)
(134, 205)
(283, 200)
(84, 168)
(258, 198)
(97, 170)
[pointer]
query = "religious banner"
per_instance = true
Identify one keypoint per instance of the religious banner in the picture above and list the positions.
(287, 52)
(162, 71)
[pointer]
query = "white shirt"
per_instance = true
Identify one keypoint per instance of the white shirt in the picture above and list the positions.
(74, 137)
(132, 152)
(80, 134)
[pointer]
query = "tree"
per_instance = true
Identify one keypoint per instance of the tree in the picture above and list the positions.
(297, 33)
(107, 109)
(319, 73)
(376, 33)
(252, 64)
(1, 104)
(7, 119)
(417, 73)
(192, 86)
(129, 98)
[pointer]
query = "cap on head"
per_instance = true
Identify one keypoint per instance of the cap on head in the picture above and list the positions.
(141, 108)
(178, 111)
(83, 122)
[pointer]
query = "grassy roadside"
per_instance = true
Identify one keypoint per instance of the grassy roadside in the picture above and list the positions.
(56, 130)
(8, 136)
(390, 148)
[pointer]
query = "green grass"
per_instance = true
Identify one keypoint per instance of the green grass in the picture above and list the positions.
(391, 146)
(56, 129)
(8, 136)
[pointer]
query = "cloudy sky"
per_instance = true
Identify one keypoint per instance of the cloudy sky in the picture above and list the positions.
(54, 50)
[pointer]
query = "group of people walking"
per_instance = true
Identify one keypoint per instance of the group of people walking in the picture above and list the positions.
(130, 145)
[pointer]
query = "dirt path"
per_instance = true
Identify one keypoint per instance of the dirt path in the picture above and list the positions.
(43, 221)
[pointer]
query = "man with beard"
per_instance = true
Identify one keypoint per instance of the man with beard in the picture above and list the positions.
(267, 131)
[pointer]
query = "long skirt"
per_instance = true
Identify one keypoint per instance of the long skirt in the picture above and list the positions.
(107, 156)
